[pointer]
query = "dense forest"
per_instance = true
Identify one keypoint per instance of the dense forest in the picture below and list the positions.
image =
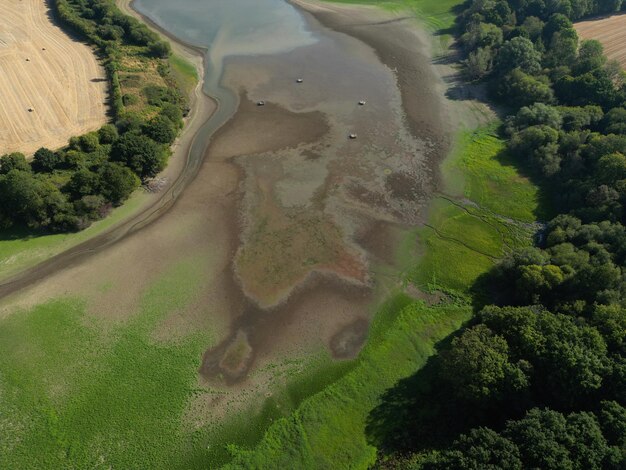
(538, 378)
(67, 189)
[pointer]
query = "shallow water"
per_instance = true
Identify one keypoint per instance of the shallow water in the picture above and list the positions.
(229, 28)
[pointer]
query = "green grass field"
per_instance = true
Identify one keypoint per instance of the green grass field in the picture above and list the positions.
(21, 249)
(76, 393)
(437, 14)
(487, 210)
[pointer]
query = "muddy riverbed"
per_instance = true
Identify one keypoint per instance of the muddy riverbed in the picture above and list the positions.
(290, 217)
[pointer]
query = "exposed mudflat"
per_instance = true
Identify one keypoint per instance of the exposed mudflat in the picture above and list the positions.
(287, 215)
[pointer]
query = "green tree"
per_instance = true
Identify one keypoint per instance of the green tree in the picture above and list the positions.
(548, 440)
(45, 161)
(479, 63)
(140, 153)
(480, 449)
(539, 144)
(20, 199)
(118, 182)
(89, 142)
(563, 49)
(518, 53)
(590, 57)
(107, 134)
(161, 129)
(83, 182)
(521, 89)
(13, 161)
(477, 366)
(611, 168)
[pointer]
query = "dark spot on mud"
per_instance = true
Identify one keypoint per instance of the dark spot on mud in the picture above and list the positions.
(363, 194)
(404, 186)
(348, 341)
(254, 332)
(380, 240)
(310, 155)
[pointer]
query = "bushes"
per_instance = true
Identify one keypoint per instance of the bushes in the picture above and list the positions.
(140, 153)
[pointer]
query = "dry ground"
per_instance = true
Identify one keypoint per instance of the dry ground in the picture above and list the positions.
(64, 84)
(610, 31)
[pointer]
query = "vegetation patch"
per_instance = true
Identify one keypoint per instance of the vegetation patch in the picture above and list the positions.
(327, 429)
(74, 395)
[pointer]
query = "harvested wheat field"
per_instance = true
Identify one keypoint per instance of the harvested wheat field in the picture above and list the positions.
(610, 31)
(51, 87)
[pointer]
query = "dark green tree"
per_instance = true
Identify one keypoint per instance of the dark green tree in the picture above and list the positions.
(140, 153)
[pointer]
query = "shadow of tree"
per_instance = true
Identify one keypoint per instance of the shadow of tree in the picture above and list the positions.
(408, 417)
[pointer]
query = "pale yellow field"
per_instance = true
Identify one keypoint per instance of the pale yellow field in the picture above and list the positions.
(43, 69)
(610, 31)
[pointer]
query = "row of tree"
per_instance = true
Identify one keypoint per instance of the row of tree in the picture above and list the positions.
(538, 379)
(66, 190)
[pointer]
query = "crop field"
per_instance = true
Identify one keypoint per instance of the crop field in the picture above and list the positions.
(610, 31)
(51, 87)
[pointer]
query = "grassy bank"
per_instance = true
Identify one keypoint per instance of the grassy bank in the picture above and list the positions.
(437, 14)
(21, 249)
(486, 209)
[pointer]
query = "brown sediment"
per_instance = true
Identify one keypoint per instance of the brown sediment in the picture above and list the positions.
(363, 196)
(286, 214)
(259, 129)
(404, 47)
(317, 314)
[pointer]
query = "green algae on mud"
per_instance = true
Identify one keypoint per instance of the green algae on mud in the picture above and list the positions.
(328, 429)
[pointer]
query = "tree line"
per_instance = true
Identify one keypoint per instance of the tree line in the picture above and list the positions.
(538, 377)
(67, 189)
